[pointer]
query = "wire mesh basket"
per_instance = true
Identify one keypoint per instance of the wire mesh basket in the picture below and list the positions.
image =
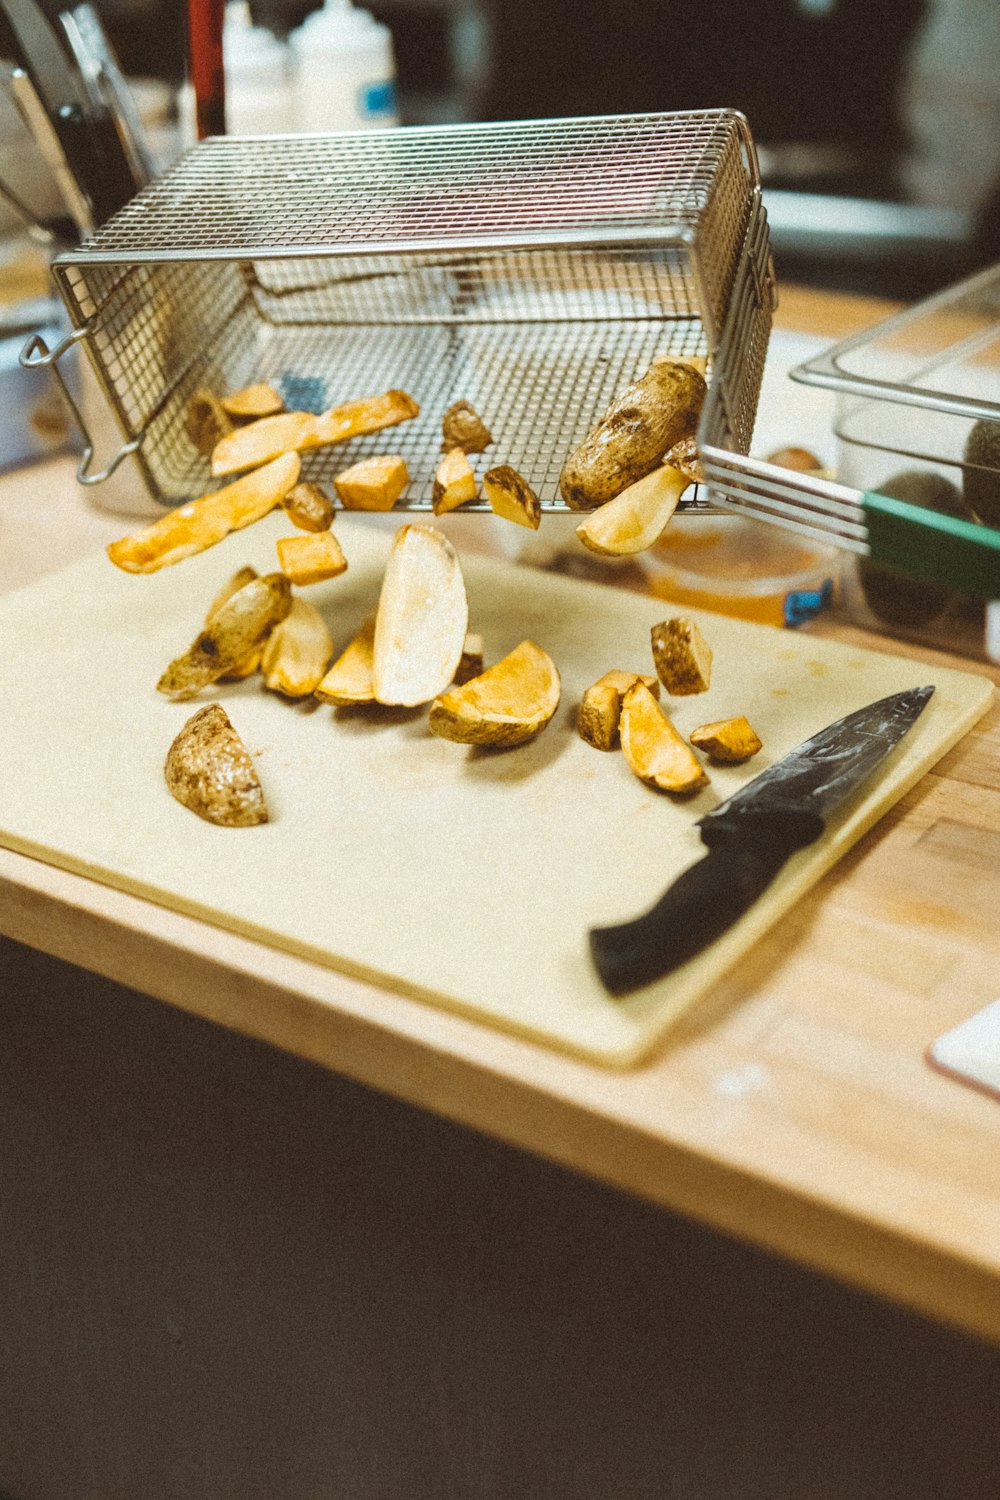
(533, 269)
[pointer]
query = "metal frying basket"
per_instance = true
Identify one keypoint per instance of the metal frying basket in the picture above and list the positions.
(531, 268)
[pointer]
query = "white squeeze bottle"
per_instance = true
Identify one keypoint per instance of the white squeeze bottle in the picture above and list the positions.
(345, 70)
(259, 97)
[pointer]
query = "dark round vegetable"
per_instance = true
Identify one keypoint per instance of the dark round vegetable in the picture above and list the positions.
(895, 597)
(981, 485)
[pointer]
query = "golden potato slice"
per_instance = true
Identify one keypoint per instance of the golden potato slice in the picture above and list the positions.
(312, 557)
(297, 431)
(653, 748)
(201, 523)
(208, 769)
(372, 484)
(422, 618)
(252, 401)
(249, 666)
(506, 705)
(454, 483)
(463, 427)
(470, 663)
(297, 652)
(728, 741)
(511, 496)
(633, 520)
(309, 507)
(682, 656)
(233, 631)
(205, 421)
(351, 679)
(601, 707)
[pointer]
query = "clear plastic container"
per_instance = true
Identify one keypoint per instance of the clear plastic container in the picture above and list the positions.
(345, 72)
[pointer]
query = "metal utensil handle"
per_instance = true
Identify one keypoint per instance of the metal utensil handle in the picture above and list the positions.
(36, 355)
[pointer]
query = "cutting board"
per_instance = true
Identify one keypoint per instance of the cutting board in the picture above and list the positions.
(466, 877)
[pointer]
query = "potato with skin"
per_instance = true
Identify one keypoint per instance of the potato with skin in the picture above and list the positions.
(682, 657)
(511, 496)
(454, 483)
(635, 433)
(373, 483)
(206, 421)
(209, 770)
(463, 427)
(297, 652)
(653, 748)
(309, 507)
(727, 741)
(601, 707)
(232, 586)
(422, 618)
(506, 705)
(233, 631)
(633, 520)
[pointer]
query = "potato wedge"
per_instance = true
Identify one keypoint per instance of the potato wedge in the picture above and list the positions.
(506, 705)
(209, 770)
(632, 437)
(205, 420)
(422, 618)
(601, 707)
(297, 431)
(249, 666)
(682, 657)
(309, 507)
(252, 401)
(653, 748)
(633, 520)
(297, 652)
(233, 631)
(454, 483)
(201, 523)
(463, 427)
(372, 484)
(470, 663)
(727, 741)
(312, 557)
(511, 496)
(684, 456)
(351, 679)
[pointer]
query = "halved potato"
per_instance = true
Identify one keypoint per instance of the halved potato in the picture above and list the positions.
(511, 496)
(205, 421)
(233, 631)
(507, 704)
(422, 618)
(201, 523)
(297, 431)
(728, 741)
(682, 656)
(653, 748)
(311, 557)
(601, 707)
(373, 483)
(297, 652)
(252, 401)
(209, 770)
(633, 520)
(454, 483)
(351, 678)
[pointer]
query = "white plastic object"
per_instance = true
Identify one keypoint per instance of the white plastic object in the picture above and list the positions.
(259, 97)
(345, 72)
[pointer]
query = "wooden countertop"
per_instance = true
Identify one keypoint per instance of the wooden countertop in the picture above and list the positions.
(795, 1108)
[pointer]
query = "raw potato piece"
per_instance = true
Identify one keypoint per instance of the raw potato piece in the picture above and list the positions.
(249, 666)
(682, 656)
(463, 427)
(351, 678)
(311, 558)
(632, 437)
(507, 704)
(422, 618)
(309, 507)
(601, 707)
(633, 520)
(471, 661)
(372, 484)
(728, 741)
(259, 400)
(205, 421)
(297, 431)
(208, 769)
(511, 496)
(231, 634)
(201, 523)
(454, 483)
(684, 456)
(297, 652)
(653, 748)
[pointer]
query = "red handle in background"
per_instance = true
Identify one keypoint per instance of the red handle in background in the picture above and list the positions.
(208, 78)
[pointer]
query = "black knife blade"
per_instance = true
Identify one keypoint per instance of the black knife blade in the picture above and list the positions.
(749, 838)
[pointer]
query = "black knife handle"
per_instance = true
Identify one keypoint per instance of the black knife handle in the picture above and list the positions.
(700, 905)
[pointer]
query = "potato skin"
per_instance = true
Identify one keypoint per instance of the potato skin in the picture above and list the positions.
(640, 425)
(208, 769)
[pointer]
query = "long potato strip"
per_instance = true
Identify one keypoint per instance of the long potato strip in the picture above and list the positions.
(201, 523)
(297, 431)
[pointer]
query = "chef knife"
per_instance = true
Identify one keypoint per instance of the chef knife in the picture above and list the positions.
(749, 838)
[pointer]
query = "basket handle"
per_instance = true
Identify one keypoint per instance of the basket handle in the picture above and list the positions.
(37, 355)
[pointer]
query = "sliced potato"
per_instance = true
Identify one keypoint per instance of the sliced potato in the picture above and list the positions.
(422, 618)
(470, 663)
(682, 656)
(249, 666)
(684, 456)
(511, 496)
(309, 507)
(312, 557)
(201, 523)
(298, 431)
(205, 420)
(208, 769)
(601, 707)
(454, 483)
(234, 630)
(509, 703)
(351, 679)
(297, 652)
(728, 741)
(463, 427)
(653, 748)
(372, 484)
(252, 401)
(633, 520)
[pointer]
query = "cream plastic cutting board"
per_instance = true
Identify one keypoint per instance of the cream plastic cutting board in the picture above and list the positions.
(466, 877)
